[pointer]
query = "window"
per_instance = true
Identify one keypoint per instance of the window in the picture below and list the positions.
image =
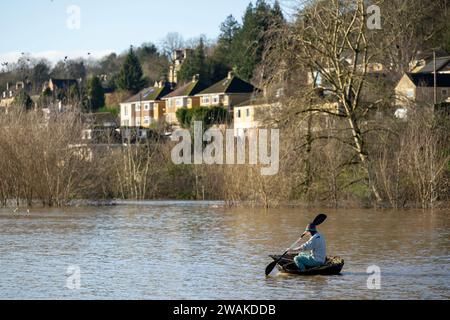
(138, 122)
(216, 99)
(248, 113)
(205, 100)
(138, 107)
(280, 93)
(147, 107)
(179, 102)
(152, 106)
(410, 93)
(125, 111)
(239, 113)
(146, 120)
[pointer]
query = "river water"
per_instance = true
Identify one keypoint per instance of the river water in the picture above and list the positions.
(194, 250)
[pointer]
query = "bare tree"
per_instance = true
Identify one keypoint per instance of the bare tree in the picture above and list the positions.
(329, 44)
(172, 41)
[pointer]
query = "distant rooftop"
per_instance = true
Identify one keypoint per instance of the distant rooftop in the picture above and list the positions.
(187, 90)
(441, 63)
(231, 84)
(427, 79)
(150, 94)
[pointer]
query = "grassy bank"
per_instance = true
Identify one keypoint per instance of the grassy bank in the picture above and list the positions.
(44, 163)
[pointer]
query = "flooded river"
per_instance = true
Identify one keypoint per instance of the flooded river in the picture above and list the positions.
(184, 250)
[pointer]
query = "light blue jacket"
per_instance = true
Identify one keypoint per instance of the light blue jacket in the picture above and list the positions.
(317, 246)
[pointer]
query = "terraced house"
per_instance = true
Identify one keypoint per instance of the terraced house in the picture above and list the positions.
(146, 107)
(183, 97)
(227, 93)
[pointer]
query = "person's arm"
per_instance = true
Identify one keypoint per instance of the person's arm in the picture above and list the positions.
(294, 250)
(307, 246)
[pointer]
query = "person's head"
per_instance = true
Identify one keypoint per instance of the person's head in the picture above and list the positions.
(310, 230)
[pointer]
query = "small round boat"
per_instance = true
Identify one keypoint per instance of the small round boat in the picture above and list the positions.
(333, 266)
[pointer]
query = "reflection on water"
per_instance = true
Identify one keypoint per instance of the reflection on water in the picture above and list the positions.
(186, 250)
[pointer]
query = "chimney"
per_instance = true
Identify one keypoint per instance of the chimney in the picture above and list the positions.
(156, 85)
(195, 78)
(7, 86)
(230, 75)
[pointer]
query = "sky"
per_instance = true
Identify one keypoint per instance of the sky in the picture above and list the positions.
(52, 29)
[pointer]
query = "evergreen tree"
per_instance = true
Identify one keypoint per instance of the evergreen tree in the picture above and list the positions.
(131, 76)
(247, 44)
(194, 64)
(223, 53)
(277, 14)
(228, 30)
(217, 70)
(249, 41)
(96, 94)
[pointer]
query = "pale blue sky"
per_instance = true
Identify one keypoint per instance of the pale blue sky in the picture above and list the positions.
(40, 27)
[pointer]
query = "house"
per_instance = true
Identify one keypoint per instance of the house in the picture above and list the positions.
(246, 115)
(183, 97)
(442, 66)
(145, 108)
(99, 127)
(418, 88)
(227, 93)
(424, 63)
(58, 85)
(7, 96)
(59, 91)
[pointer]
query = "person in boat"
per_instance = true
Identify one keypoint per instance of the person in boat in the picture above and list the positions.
(313, 253)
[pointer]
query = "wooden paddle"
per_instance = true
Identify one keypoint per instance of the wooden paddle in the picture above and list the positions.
(317, 221)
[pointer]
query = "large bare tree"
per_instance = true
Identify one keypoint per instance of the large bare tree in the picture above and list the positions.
(330, 45)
